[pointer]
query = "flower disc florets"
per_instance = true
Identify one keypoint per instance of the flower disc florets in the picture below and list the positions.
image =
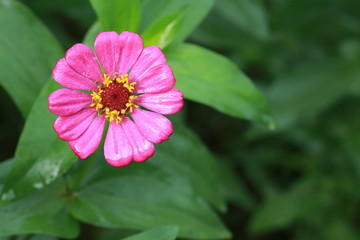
(114, 97)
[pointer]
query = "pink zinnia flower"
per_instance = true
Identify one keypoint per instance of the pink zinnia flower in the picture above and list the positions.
(117, 83)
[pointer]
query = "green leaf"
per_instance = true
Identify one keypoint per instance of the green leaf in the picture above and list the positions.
(169, 188)
(211, 79)
(28, 52)
(160, 233)
(162, 32)
(117, 15)
(40, 156)
(247, 15)
(137, 202)
(43, 212)
(4, 170)
(312, 88)
(195, 11)
(188, 156)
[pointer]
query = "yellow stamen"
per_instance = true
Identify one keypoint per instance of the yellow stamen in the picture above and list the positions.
(130, 105)
(114, 115)
(107, 79)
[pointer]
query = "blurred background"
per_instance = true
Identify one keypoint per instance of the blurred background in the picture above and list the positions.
(300, 181)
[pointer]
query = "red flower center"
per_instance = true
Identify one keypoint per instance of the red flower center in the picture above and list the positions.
(115, 96)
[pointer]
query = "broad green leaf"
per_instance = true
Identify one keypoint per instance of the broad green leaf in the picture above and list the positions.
(160, 233)
(40, 156)
(28, 52)
(169, 188)
(195, 11)
(43, 212)
(311, 88)
(187, 156)
(117, 15)
(162, 32)
(144, 202)
(247, 15)
(211, 79)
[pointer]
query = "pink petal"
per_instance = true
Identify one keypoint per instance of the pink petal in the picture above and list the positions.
(82, 59)
(105, 50)
(87, 143)
(169, 102)
(66, 102)
(67, 77)
(117, 148)
(71, 127)
(141, 147)
(129, 47)
(150, 57)
(155, 127)
(156, 80)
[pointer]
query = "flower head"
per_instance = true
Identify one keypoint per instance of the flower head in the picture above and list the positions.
(122, 83)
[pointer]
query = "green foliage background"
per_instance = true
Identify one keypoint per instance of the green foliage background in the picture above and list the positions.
(238, 166)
